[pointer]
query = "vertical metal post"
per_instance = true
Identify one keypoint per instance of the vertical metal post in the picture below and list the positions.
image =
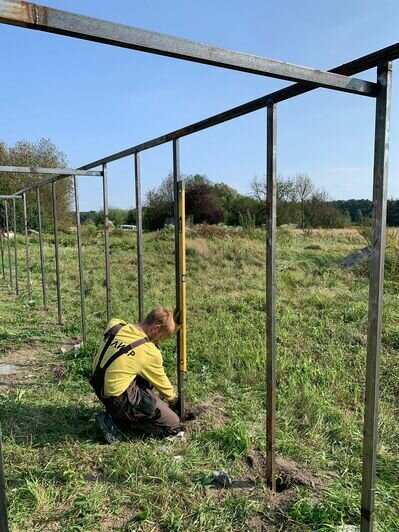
(42, 267)
(8, 242)
(14, 208)
(106, 243)
(139, 224)
(271, 172)
(26, 247)
(180, 268)
(376, 286)
(80, 260)
(56, 254)
(2, 251)
(3, 499)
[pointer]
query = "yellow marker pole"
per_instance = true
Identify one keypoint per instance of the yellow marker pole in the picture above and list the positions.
(180, 266)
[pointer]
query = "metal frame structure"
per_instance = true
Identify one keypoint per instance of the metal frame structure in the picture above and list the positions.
(33, 16)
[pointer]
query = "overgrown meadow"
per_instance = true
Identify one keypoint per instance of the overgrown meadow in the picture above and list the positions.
(62, 476)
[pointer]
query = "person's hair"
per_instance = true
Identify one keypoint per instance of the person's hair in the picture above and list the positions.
(162, 316)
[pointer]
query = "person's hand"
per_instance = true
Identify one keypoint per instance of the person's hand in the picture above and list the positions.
(176, 318)
(176, 406)
(176, 315)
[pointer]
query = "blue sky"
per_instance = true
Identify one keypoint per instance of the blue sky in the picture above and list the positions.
(93, 100)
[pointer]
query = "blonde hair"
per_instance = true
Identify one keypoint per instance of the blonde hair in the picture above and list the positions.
(162, 316)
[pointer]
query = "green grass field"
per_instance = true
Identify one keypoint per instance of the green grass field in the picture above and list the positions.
(60, 474)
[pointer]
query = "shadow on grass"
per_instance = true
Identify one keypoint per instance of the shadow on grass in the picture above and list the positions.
(44, 424)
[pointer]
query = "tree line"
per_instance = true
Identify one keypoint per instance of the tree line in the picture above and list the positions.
(299, 201)
(45, 154)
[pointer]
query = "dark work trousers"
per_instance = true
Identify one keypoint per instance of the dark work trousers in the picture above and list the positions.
(140, 410)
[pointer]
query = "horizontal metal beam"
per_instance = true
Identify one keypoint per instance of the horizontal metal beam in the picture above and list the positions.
(10, 196)
(361, 64)
(55, 171)
(353, 67)
(34, 16)
(43, 182)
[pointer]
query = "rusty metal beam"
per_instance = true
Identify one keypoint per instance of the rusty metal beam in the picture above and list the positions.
(34, 16)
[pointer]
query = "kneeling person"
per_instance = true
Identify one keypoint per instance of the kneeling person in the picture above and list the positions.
(126, 368)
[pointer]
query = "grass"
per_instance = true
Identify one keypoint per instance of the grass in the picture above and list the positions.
(61, 476)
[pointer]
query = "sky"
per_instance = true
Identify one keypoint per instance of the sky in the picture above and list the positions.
(93, 100)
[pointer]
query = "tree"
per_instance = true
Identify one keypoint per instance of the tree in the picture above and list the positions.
(304, 190)
(131, 218)
(286, 194)
(88, 217)
(42, 153)
(158, 205)
(319, 212)
(202, 204)
(245, 207)
(359, 217)
(393, 213)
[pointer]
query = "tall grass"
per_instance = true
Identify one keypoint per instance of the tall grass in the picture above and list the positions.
(62, 477)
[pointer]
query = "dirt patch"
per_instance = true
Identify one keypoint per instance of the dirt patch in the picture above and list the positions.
(289, 472)
(22, 367)
(208, 415)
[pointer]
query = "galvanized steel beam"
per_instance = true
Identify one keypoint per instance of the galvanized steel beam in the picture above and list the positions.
(34, 16)
(376, 288)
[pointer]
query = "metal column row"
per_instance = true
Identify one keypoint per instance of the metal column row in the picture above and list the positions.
(79, 246)
(376, 282)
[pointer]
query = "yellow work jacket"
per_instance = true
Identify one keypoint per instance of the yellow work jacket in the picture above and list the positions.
(145, 360)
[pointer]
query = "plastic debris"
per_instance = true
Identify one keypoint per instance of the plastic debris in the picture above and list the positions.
(221, 479)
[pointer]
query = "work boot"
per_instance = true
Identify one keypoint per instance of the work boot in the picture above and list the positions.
(110, 431)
